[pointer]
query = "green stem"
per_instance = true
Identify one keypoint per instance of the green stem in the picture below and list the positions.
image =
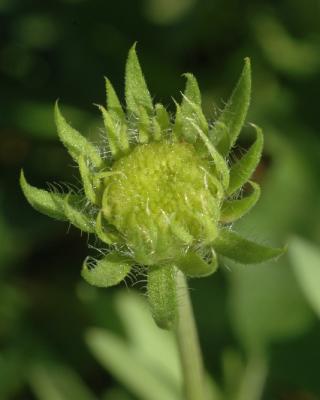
(188, 344)
(254, 378)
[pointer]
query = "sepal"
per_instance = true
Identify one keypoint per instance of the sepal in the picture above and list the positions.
(237, 248)
(106, 272)
(234, 209)
(76, 214)
(233, 115)
(242, 170)
(194, 266)
(75, 143)
(136, 90)
(113, 103)
(48, 203)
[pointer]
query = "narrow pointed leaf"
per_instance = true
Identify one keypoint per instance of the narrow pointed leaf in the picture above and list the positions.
(162, 117)
(156, 129)
(235, 111)
(192, 112)
(191, 92)
(234, 209)
(86, 177)
(106, 272)
(130, 368)
(113, 103)
(111, 131)
(219, 161)
(234, 246)
(162, 296)
(75, 143)
(77, 215)
(136, 90)
(242, 170)
(48, 203)
(144, 125)
(194, 266)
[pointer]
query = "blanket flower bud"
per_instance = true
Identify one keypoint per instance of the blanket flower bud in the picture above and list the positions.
(165, 195)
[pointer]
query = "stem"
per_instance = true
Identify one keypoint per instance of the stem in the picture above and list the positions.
(254, 378)
(188, 344)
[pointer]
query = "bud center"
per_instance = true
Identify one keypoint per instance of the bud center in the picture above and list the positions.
(162, 197)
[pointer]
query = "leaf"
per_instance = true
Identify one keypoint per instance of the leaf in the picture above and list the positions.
(128, 367)
(242, 170)
(219, 162)
(235, 111)
(305, 258)
(77, 215)
(48, 203)
(194, 266)
(192, 93)
(75, 143)
(144, 125)
(86, 178)
(113, 103)
(161, 291)
(234, 246)
(191, 109)
(136, 90)
(111, 131)
(234, 209)
(155, 346)
(106, 272)
(162, 117)
(58, 383)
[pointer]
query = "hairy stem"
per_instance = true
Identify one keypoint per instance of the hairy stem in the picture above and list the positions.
(188, 344)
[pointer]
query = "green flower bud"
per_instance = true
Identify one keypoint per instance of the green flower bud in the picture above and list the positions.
(165, 195)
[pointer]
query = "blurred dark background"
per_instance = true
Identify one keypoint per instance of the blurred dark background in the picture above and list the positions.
(63, 49)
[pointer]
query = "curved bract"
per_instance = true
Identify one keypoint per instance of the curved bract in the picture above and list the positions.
(165, 196)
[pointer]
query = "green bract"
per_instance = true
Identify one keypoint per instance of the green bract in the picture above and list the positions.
(164, 196)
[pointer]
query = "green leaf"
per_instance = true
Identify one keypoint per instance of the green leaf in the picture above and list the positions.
(77, 215)
(111, 131)
(144, 126)
(106, 272)
(129, 367)
(136, 90)
(194, 266)
(162, 117)
(234, 209)
(58, 383)
(75, 143)
(48, 203)
(161, 290)
(305, 258)
(242, 170)
(192, 93)
(234, 246)
(191, 109)
(113, 103)
(219, 162)
(235, 111)
(86, 177)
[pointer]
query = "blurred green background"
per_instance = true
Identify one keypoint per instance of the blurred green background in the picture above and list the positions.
(259, 326)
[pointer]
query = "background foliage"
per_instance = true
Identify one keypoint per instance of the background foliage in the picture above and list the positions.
(257, 324)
